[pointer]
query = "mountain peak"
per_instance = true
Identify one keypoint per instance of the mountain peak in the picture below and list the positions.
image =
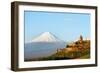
(46, 33)
(46, 37)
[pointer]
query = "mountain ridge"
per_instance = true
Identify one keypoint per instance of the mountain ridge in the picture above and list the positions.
(46, 37)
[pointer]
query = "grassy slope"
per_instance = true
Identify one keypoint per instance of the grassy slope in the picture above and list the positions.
(85, 56)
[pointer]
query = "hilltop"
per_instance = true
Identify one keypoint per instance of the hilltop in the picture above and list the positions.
(75, 51)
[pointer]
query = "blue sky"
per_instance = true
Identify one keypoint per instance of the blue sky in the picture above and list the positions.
(66, 26)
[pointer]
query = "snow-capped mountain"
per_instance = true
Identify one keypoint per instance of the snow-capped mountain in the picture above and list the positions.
(43, 45)
(46, 37)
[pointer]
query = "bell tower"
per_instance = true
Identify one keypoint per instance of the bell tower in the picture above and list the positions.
(81, 42)
(81, 39)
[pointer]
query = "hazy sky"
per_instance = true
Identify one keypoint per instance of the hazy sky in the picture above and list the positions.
(66, 26)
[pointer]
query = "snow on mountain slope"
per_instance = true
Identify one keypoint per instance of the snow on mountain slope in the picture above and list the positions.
(46, 37)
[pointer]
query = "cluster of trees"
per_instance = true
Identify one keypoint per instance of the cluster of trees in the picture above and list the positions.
(77, 51)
